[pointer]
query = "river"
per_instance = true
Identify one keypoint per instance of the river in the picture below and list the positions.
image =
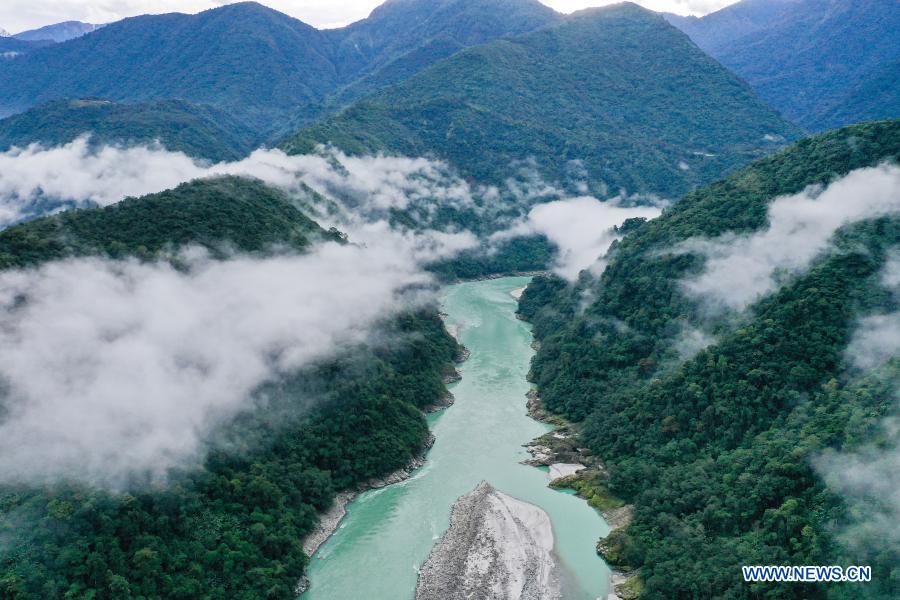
(388, 533)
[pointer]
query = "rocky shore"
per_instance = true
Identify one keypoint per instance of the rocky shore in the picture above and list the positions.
(497, 547)
(572, 466)
(501, 276)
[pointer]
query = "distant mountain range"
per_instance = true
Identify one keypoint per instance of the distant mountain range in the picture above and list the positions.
(511, 78)
(265, 68)
(614, 96)
(59, 32)
(199, 131)
(822, 63)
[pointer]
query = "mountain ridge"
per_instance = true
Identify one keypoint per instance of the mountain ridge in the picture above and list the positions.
(263, 66)
(816, 61)
(544, 95)
(58, 32)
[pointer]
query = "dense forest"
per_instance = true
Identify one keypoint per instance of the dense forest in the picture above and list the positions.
(599, 89)
(716, 450)
(270, 71)
(198, 131)
(780, 48)
(223, 215)
(233, 528)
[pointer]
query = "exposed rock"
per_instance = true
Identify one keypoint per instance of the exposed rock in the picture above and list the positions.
(497, 547)
(536, 410)
(558, 470)
(619, 517)
(446, 401)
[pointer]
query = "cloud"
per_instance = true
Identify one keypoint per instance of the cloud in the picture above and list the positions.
(77, 173)
(876, 340)
(582, 228)
(740, 269)
(877, 337)
(113, 370)
(117, 368)
(691, 341)
(869, 479)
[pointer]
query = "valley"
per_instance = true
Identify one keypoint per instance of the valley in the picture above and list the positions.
(449, 299)
(389, 532)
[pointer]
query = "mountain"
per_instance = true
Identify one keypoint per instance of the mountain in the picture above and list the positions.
(401, 37)
(4, 33)
(822, 63)
(248, 60)
(11, 47)
(58, 32)
(712, 426)
(242, 213)
(259, 65)
(258, 493)
(199, 131)
(618, 89)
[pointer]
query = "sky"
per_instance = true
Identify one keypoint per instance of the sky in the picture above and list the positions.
(21, 15)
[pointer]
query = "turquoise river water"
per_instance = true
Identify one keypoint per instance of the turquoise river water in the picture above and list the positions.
(388, 533)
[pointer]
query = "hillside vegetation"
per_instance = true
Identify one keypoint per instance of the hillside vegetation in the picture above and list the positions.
(264, 68)
(716, 451)
(222, 214)
(198, 131)
(822, 63)
(233, 528)
(615, 96)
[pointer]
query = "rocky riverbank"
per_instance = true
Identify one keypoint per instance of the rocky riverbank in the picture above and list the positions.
(497, 547)
(571, 466)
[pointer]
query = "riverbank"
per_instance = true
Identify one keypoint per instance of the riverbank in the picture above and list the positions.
(494, 276)
(331, 519)
(496, 547)
(387, 535)
(572, 467)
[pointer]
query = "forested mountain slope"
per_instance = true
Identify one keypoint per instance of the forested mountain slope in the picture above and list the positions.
(224, 214)
(232, 527)
(615, 96)
(11, 47)
(198, 131)
(263, 67)
(717, 445)
(822, 63)
(401, 37)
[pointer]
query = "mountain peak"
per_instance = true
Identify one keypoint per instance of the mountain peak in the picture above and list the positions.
(58, 32)
(620, 9)
(4, 33)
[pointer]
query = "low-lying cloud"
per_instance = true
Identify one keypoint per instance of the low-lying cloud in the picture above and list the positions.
(869, 478)
(113, 369)
(877, 336)
(79, 173)
(740, 269)
(582, 228)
